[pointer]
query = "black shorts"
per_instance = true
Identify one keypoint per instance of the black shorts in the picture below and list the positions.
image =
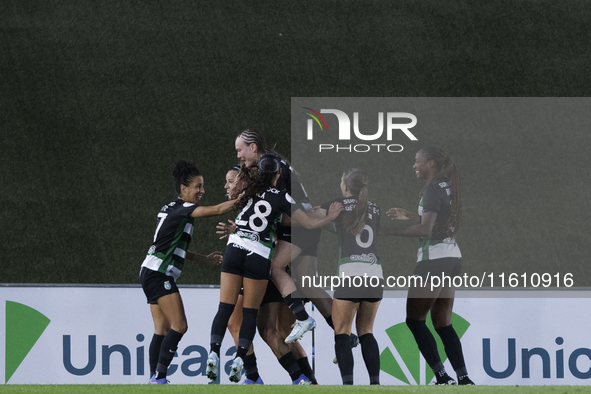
(156, 284)
(449, 266)
(358, 300)
(444, 269)
(284, 233)
(241, 261)
(356, 293)
(307, 240)
(272, 294)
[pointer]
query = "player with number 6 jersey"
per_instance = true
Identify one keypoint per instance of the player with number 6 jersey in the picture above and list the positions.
(357, 228)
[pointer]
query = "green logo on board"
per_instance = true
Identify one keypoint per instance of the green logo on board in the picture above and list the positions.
(24, 326)
(404, 343)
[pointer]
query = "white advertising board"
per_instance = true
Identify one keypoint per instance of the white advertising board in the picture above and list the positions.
(94, 335)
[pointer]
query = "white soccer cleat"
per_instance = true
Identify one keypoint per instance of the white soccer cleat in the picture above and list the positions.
(300, 328)
(213, 366)
(236, 371)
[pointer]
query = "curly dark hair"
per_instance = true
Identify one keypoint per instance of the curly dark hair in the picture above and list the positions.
(258, 180)
(183, 173)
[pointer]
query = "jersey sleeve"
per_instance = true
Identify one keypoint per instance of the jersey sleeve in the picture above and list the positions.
(432, 198)
(327, 205)
(285, 204)
(187, 209)
(376, 214)
(295, 188)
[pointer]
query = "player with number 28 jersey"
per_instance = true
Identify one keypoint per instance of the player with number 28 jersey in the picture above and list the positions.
(256, 224)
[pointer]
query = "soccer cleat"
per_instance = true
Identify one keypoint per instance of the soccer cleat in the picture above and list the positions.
(248, 381)
(213, 366)
(236, 370)
(153, 380)
(354, 339)
(465, 381)
(300, 327)
(445, 380)
(302, 380)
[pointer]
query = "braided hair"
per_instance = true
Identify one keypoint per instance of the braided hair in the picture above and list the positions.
(446, 169)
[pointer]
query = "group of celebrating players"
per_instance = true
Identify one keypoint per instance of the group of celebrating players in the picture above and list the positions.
(278, 230)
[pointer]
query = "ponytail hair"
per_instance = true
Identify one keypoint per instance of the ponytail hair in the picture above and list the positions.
(445, 168)
(356, 181)
(183, 173)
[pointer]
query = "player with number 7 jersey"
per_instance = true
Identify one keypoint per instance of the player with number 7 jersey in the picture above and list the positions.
(164, 262)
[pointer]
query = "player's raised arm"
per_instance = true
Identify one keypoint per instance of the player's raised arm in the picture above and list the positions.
(214, 210)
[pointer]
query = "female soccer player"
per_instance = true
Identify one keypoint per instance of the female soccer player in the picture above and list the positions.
(357, 229)
(250, 363)
(272, 323)
(439, 220)
(247, 260)
(164, 263)
(250, 146)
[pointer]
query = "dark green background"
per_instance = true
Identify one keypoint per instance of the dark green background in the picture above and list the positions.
(99, 99)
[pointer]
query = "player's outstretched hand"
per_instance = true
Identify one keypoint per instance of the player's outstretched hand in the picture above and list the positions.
(334, 210)
(215, 258)
(401, 214)
(225, 228)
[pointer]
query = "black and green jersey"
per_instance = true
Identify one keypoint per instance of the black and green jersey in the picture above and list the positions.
(290, 181)
(256, 224)
(437, 198)
(171, 239)
(358, 254)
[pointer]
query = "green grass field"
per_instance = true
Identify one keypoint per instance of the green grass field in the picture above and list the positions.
(273, 389)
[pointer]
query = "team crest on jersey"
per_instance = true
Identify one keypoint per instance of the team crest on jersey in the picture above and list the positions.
(167, 285)
(152, 249)
(369, 257)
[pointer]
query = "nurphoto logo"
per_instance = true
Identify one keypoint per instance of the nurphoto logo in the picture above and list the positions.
(392, 123)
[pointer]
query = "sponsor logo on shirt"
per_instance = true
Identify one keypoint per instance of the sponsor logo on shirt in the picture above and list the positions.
(246, 234)
(369, 257)
(235, 245)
